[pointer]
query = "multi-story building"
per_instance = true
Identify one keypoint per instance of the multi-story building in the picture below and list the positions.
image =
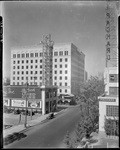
(68, 67)
(108, 103)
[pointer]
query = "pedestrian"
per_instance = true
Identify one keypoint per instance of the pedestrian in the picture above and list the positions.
(20, 118)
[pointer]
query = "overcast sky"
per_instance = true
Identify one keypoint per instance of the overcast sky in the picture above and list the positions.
(82, 23)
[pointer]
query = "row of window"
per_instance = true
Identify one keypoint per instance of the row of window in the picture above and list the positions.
(61, 91)
(60, 53)
(111, 111)
(27, 55)
(36, 66)
(23, 67)
(27, 61)
(61, 59)
(22, 78)
(36, 61)
(36, 72)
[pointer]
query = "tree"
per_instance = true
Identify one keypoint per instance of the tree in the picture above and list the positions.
(6, 81)
(68, 140)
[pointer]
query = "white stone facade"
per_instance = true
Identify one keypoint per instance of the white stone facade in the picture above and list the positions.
(68, 67)
(108, 103)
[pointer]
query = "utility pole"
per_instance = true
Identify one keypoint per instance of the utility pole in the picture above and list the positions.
(25, 124)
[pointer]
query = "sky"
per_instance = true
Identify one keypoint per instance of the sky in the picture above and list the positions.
(79, 22)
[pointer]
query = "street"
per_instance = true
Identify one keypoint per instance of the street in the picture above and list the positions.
(49, 133)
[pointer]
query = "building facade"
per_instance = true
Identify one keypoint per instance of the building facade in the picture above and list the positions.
(108, 103)
(68, 67)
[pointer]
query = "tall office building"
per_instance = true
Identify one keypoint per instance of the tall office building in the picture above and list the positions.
(68, 67)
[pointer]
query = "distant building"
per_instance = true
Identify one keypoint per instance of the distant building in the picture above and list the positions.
(108, 103)
(68, 67)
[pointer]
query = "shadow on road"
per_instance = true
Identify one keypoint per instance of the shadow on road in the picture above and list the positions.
(13, 137)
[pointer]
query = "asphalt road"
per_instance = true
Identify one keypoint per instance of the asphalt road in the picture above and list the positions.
(49, 134)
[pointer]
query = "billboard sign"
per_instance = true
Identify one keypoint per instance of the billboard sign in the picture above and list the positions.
(32, 92)
(18, 103)
(6, 102)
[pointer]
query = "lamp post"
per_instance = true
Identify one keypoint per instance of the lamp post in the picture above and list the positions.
(25, 124)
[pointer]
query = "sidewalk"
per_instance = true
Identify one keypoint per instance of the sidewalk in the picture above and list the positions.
(19, 128)
(100, 140)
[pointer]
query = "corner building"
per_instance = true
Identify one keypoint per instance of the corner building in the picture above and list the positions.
(68, 67)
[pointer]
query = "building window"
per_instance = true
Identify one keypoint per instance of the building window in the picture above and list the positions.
(23, 55)
(55, 72)
(113, 90)
(26, 78)
(40, 66)
(26, 67)
(65, 65)
(40, 72)
(60, 59)
(31, 54)
(66, 59)
(65, 78)
(66, 53)
(18, 67)
(35, 66)
(55, 66)
(14, 55)
(22, 72)
(27, 61)
(41, 54)
(55, 78)
(113, 78)
(111, 111)
(40, 78)
(65, 83)
(65, 71)
(60, 78)
(60, 90)
(13, 62)
(22, 61)
(22, 67)
(60, 66)
(17, 78)
(65, 90)
(17, 83)
(60, 72)
(13, 72)
(31, 67)
(55, 60)
(31, 61)
(35, 61)
(22, 83)
(60, 83)
(13, 67)
(18, 72)
(18, 55)
(27, 55)
(60, 53)
(36, 54)
(13, 83)
(13, 78)
(35, 72)
(26, 72)
(40, 60)
(55, 83)
(22, 78)
(55, 53)
(18, 61)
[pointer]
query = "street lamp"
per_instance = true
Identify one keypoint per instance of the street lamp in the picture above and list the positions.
(25, 124)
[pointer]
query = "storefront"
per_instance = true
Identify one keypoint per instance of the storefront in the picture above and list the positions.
(33, 97)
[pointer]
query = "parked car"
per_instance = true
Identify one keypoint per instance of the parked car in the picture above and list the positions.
(51, 116)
